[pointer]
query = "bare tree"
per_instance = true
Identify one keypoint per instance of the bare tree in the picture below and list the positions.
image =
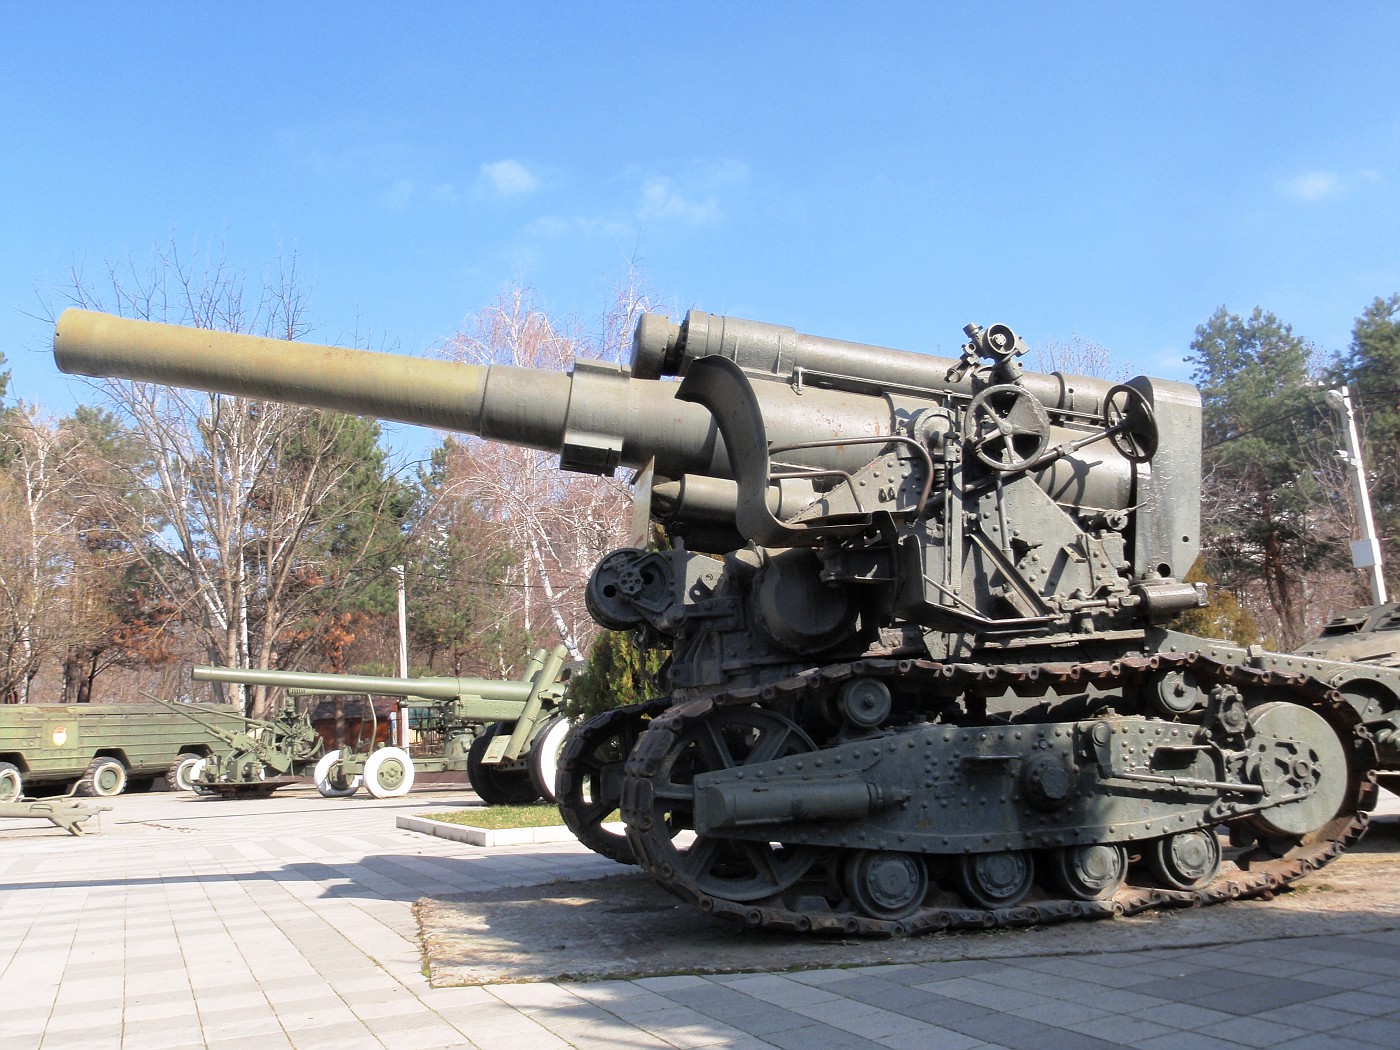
(234, 493)
(557, 524)
(1080, 357)
(37, 545)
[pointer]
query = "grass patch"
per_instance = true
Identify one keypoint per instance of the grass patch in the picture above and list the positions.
(499, 818)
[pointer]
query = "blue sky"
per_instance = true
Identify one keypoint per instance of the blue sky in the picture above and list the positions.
(881, 172)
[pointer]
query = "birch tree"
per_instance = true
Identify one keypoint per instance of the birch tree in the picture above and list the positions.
(557, 524)
(239, 498)
(37, 511)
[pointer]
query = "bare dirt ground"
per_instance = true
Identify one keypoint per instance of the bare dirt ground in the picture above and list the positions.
(626, 926)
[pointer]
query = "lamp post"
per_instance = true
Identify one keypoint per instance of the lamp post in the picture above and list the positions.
(1365, 552)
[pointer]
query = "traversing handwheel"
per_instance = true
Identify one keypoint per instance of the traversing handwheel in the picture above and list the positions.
(1130, 423)
(1008, 427)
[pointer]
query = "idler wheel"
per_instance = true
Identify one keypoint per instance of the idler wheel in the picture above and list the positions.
(1187, 860)
(864, 702)
(1091, 872)
(995, 880)
(885, 884)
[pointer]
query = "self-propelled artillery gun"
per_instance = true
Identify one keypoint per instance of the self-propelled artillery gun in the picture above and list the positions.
(920, 671)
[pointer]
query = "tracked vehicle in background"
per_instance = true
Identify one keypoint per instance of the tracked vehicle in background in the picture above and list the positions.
(919, 675)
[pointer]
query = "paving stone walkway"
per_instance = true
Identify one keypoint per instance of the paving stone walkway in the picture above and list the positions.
(288, 922)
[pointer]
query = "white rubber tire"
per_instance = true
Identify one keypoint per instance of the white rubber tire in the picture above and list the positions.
(322, 776)
(389, 773)
(544, 757)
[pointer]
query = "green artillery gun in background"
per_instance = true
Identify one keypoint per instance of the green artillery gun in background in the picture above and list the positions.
(505, 735)
(263, 754)
(928, 680)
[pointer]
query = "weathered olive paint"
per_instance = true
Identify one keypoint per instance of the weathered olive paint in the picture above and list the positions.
(52, 745)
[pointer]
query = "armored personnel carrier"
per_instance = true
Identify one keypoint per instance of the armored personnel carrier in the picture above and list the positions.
(920, 674)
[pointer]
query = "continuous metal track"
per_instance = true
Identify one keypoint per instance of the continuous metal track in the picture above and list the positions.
(1259, 874)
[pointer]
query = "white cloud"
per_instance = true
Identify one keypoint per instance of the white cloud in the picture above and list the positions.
(661, 199)
(1313, 186)
(509, 178)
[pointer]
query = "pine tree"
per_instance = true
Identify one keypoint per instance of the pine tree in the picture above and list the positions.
(618, 674)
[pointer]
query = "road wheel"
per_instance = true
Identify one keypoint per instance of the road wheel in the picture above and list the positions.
(11, 783)
(104, 778)
(389, 772)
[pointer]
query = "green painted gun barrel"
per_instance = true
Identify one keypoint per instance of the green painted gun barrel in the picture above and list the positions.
(427, 688)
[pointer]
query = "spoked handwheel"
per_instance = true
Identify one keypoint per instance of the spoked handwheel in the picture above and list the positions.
(731, 869)
(1009, 427)
(1130, 424)
(590, 774)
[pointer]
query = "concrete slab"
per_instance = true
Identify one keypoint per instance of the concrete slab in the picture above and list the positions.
(289, 922)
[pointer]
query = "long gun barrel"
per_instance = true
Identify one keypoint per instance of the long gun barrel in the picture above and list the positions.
(427, 688)
(597, 418)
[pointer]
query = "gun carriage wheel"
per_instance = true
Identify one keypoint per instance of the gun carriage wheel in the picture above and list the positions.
(389, 773)
(544, 756)
(331, 780)
(497, 786)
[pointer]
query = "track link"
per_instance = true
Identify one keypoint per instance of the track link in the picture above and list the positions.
(1258, 874)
